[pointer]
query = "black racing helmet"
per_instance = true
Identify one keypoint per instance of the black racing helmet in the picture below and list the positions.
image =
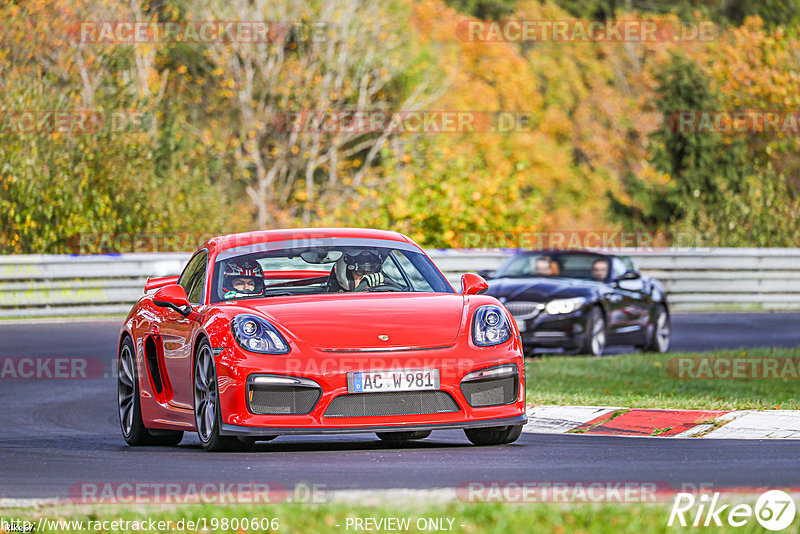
(356, 262)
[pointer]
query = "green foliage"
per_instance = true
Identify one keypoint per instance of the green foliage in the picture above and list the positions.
(772, 12)
(484, 9)
(216, 162)
(703, 169)
(706, 182)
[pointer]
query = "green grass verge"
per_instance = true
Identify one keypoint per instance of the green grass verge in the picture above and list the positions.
(639, 380)
(478, 518)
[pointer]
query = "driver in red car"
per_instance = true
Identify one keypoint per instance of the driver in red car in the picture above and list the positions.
(242, 279)
(357, 272)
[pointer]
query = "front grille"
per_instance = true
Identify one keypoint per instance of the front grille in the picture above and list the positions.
(282, 400)
(392, 403)
(524, 310)
(493, 392)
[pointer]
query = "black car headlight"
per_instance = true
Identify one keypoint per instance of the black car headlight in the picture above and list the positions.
(564, 306)
(490, 326)
(257, 335)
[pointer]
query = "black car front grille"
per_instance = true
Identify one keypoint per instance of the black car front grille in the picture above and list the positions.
(524, 310)
(493, 392)
(282, 400)
(391, 403)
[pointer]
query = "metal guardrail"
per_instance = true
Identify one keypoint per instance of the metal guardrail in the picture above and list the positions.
(64, 285)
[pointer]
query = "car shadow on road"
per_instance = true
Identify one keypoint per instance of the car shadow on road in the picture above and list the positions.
(329, 444)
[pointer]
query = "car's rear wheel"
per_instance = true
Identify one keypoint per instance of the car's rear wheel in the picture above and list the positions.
(495, 435)
(595, 339)
(403, 436)
(659, 332)
(129, 404)
(206, 405)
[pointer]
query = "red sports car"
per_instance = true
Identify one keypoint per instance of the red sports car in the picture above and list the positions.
(317, 331)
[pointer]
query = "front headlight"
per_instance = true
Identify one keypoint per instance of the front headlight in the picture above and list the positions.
(257, 335)
(490, 326)
(562, 306)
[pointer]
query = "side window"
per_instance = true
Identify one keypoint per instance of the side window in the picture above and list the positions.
(629, 263)
(418, 282)
(618, 268)
(194, 277)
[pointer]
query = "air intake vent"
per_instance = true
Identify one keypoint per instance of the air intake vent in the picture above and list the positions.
(394, 403)
(273, 395)
(283, 400)
(493, 392)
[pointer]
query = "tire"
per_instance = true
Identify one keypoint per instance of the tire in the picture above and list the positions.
(129, 407)
(206, 405)
(496, 435)
(658, 339)
(403, 436)
(595, 339)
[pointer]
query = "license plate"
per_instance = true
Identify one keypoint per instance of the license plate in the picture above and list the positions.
(380, 381)
(520, 325)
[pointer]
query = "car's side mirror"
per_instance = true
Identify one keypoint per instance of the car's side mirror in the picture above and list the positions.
(174, 297)
(473, 284)
(486, 273)
(629, 275)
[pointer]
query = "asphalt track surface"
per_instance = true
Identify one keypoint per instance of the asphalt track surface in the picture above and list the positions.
(56, 434)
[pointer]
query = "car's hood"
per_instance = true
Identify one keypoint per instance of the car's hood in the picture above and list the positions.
(357, 320)
(540, 289)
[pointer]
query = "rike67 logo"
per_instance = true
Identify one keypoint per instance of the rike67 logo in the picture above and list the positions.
(774, 510)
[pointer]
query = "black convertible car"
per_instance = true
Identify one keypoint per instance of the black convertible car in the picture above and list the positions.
(581, 302)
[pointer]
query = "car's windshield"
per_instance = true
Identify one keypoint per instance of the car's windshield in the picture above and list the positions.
(330, 268)
(560, 264)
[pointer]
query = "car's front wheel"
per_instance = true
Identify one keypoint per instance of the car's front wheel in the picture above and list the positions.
(206, 405)
(659, 332)
(403, 436)
(129, 404)
(595, 338)
(495, 435)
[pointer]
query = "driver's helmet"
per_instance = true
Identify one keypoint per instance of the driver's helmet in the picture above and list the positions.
(360, 263)
(242, 278)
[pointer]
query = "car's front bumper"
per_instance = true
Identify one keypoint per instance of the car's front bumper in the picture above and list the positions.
(249, 431)
(566, 331)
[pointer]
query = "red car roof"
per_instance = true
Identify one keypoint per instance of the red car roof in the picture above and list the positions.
(265, 236)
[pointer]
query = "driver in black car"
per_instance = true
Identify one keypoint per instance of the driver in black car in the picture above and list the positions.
(357, 272)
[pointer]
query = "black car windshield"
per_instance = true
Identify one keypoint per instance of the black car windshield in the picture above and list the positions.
(270, 270)
(581, 266)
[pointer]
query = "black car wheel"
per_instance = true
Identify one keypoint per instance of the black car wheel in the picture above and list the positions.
(130, 407)
(495, 435)
(595, 339)
(403, 436)
(659, 332)
(206, 405)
